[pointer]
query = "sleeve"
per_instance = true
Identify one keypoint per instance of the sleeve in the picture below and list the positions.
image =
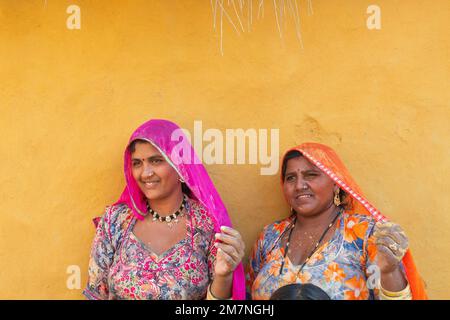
(369, 261)
(102, 253)
(254, 264)
(212, 253)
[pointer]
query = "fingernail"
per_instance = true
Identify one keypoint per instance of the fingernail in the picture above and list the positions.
(224, 228)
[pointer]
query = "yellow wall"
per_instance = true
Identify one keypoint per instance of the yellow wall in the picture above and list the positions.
(69, 99)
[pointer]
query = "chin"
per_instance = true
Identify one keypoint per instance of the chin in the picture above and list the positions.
(305, 211)
(153, 195)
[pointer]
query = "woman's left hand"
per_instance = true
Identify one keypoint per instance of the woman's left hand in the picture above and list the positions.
(392, 243)
(230, 251)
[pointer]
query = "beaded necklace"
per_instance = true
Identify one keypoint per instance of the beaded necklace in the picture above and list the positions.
(170, 218)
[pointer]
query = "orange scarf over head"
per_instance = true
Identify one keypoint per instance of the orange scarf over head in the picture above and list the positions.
(328, 162)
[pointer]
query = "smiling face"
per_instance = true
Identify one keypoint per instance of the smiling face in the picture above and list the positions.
(308, 190)
(154, 175)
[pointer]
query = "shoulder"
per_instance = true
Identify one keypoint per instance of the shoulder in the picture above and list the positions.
(358, 218)
(203, 219)
(358, 225)
(116, 217)
(271, 233)
(277, 227)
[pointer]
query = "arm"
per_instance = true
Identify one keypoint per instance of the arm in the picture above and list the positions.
(230, 251)
(390, 243)
(100, 260)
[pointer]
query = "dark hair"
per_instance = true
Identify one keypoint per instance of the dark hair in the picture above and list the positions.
(297, 291)
(132, 146)
(290, 155)
(345, 201)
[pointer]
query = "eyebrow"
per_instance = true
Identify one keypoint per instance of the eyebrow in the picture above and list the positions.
(303, 172)
(149, 158)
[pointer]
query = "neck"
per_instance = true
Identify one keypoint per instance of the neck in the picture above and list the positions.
(168, 205)
(319, 220)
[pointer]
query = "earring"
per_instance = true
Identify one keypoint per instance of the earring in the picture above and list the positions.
(181, 180)
(337, 199)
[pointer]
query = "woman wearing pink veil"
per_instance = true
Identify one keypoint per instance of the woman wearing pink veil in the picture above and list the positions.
(169, 235)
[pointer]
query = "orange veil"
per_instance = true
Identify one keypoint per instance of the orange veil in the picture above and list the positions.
(328, 161)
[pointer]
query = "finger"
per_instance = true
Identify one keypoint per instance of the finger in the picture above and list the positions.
(230, 231)
(392, 230)
(395, 236)
(390, 226)
(229, 250)
(388, 251)
(390, 244)
(226, 257)
(230, 240)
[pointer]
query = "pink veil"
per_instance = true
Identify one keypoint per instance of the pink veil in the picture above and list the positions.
(168, 138)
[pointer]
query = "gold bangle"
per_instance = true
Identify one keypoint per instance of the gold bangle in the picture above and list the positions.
(210, 296)
(404, 294)
(396, 293)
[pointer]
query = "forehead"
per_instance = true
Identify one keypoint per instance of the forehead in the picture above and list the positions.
(299, 163)
(144, 150)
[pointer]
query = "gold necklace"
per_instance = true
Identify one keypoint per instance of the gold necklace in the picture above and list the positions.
(315, 247)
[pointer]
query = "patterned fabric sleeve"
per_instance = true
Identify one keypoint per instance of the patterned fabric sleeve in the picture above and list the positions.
(102, 253)
(369, 261)
(254, 264)
(212, 253)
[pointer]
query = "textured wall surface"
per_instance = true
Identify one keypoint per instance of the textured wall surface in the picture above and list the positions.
(69, 99)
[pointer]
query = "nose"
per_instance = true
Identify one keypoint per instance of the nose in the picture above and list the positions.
(301, 185)
(148, 171)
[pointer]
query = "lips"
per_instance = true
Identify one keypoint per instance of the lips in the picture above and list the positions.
(151, 184)
(303, 196)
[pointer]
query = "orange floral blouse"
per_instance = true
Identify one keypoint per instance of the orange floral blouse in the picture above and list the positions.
(341, 267)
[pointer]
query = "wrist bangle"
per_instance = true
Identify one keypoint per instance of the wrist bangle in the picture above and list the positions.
(404, 294)
(396, 293)
(210, 296)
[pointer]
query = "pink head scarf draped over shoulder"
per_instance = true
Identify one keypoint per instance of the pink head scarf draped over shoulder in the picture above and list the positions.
(171, 142)
(327, 161)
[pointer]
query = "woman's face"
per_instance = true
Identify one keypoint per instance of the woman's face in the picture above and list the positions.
(308, 190)
(154, 175)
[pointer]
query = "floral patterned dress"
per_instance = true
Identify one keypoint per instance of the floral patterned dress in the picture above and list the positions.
(122, 267)
(341, 267)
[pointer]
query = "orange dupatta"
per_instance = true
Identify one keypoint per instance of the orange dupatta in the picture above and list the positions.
(328, 161)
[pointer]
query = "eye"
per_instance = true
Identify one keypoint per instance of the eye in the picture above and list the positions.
(156, 161)
(136, 164)
(311, 175)
(290, 178)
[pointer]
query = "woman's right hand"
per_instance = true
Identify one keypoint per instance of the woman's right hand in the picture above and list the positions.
(230, 251)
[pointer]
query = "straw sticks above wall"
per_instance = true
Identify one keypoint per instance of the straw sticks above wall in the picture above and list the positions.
(241, 14)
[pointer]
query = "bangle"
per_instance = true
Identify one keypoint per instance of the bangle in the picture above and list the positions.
(210, 296)
(404, 294)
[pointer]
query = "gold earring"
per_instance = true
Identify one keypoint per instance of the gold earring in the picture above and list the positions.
(337, 199)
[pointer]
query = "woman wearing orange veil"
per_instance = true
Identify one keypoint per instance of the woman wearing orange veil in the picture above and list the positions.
(334, 238)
